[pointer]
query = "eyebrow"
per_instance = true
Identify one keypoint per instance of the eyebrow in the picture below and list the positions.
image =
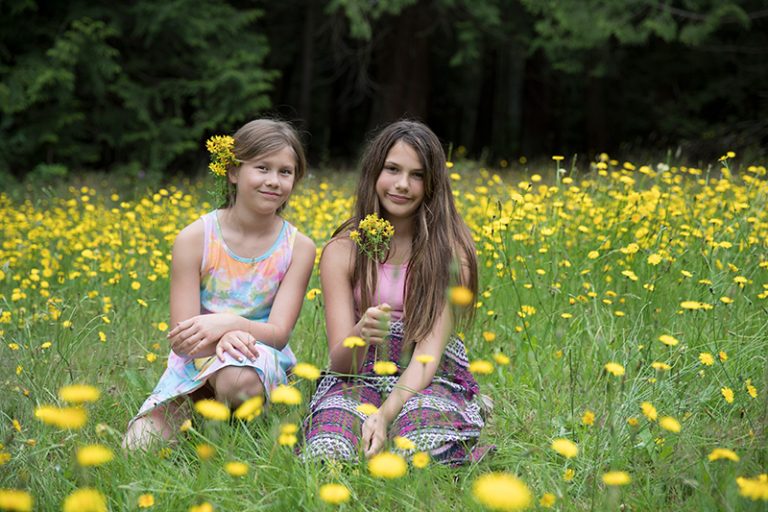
(390, 162)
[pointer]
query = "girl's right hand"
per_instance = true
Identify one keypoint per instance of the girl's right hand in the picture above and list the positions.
(238, 344)
(374, 325)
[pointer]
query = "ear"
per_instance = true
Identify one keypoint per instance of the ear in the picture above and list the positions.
(233, 175)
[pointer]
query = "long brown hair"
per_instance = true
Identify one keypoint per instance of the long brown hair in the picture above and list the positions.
(432, 269)
(261, 137)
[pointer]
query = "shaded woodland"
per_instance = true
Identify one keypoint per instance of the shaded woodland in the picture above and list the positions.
(137, 86)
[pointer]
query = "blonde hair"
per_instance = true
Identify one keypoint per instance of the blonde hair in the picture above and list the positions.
(262, 137)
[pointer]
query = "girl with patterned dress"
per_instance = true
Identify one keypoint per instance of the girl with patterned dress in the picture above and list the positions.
(396, 312)
(238, 277)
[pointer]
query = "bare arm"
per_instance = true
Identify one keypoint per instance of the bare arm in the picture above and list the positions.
(336, 268)
(416, 377)
(198, 335)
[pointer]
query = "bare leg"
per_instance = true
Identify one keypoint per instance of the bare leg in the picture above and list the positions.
(233, 385)
(159, 424)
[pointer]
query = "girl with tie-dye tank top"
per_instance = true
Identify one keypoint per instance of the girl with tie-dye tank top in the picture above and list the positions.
(238, 278)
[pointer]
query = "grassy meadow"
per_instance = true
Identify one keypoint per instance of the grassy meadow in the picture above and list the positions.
(621, 331)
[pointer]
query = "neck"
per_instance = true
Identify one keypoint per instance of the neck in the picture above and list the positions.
(245, 221)
(404, 228)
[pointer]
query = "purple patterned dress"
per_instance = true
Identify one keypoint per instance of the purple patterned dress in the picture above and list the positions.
(444, 419)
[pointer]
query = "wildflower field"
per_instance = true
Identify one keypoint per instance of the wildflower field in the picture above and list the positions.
(621, 331)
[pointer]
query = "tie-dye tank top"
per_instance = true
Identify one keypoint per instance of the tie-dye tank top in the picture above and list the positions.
(243, 286)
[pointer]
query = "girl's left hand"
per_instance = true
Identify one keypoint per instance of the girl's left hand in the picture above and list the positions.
(374, 435)
(199, 331)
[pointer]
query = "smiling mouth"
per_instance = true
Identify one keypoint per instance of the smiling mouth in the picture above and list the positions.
(398, 199)
(271, 194)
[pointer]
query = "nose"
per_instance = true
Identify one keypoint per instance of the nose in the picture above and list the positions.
(271, 179)
(402, 182)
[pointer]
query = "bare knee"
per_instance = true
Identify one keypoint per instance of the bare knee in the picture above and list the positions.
(234, 385)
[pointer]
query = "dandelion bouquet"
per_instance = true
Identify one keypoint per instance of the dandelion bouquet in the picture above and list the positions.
(372, 236)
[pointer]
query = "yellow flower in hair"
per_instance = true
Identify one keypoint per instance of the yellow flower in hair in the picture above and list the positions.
(220, 147)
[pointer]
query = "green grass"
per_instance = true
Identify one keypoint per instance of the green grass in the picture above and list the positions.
(555, 374)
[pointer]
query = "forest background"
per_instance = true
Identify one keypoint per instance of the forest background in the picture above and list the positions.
(136, 87)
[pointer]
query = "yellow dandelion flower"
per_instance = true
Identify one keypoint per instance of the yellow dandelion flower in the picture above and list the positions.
(658, 365)
(752, 390)
(425, 358)
(313, 293)
(162, 326)
(79, 393)
(205, 451)
(94, 455)
(334, 494)
(306, 371)
(15, 500)
(691, 305)
(501, 359)
(614, 369)
(85, 500)
(722, 355)
(354, 341)
(70, 418)
(489, 336)
(501, 491)
(754, 488)
(670, 424)
(547, 500)
(460, 296)
(250, 409)
(387, 465)
(668, 340)
(558, 158)
(588, 418)
(146, 501)
(186, 425)
(288, 395)
(212, 410)
(568, 474)
(384, 368)
(632, 421)
(654, 259)
(565, 447)
(727, 394)
(287, 439)
(615, 478)
(481, 367)
(403, 443)
(706, 359)
(236, 468)
(202, 507)
(722, 454)
(367, 409)
(420, 460)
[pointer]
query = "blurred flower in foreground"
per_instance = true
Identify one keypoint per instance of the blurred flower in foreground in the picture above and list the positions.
(387, 465)
(501, 491)
(288, 395)
(94, 455)
(85, 500)
(723, 454)
(334, 494)
(17, 501)
(754, 488)
(565, 447)
(65, 417)
(614, 478)
(212, 410)
(79, 393)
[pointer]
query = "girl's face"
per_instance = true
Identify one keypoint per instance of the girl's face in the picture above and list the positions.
(400, 185)
(265, 182)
